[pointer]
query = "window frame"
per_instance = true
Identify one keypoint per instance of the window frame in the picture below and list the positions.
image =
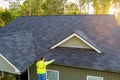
(94, 77)
(53, 71)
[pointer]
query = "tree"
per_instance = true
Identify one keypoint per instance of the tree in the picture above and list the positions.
(103, 6)
(53, 7)
(72, 8)
(43, 7)
(15, 10)
(29, 7)
(116, 4)
(84, 5)
(2, 23)
(6, 16)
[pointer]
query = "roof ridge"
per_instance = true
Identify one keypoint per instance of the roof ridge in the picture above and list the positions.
(71, 15)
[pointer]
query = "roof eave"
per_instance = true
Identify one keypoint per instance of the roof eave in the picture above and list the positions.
(17, 71)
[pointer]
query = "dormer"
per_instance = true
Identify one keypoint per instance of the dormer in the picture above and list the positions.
(77, 40)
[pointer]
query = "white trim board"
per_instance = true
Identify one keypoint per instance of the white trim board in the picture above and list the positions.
(17, 71)
(79, 37)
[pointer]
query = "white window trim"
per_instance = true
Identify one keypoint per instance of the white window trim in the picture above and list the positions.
(94, 77)
(53, 71)
(17, 71)
(74, 34)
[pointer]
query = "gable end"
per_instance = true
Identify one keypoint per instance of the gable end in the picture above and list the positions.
(9, 64)
(85, 43)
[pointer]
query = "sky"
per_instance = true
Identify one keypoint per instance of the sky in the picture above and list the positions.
(5, 4)
(72, 0)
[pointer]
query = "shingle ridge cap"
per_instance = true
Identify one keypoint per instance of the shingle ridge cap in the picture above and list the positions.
(70, 15)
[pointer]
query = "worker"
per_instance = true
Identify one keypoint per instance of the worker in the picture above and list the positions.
(41, 68)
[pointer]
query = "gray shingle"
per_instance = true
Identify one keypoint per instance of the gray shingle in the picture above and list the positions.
(43, 32)
(18, 48)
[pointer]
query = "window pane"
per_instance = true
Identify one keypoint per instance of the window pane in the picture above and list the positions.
(94, 78)
(52, 75)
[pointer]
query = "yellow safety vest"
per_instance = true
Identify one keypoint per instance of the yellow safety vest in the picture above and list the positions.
(41, 67)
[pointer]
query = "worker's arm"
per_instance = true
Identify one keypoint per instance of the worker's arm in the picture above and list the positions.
(49, 62)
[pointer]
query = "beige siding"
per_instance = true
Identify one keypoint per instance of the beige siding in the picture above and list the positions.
(32, 72)
(75, 42)
(69, 73)
(4, 66)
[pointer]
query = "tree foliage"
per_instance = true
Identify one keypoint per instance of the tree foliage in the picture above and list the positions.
(102, 6)
(42, 7)
(72, 8)
(15, 10)
(30, 7)
(5, 17)
(2, 23)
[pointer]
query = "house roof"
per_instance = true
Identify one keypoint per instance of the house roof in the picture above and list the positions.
(28, 38)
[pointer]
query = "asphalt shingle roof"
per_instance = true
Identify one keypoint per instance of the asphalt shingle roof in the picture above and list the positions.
(32, 36)
(18, 48)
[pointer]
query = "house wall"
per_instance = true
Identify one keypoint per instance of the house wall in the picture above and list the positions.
(4, 66)
(70, 73)
(32, 72)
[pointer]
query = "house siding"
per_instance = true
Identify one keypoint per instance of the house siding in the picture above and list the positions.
(32, 72)
(4, 66)
(70, 73)
(75, 42)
